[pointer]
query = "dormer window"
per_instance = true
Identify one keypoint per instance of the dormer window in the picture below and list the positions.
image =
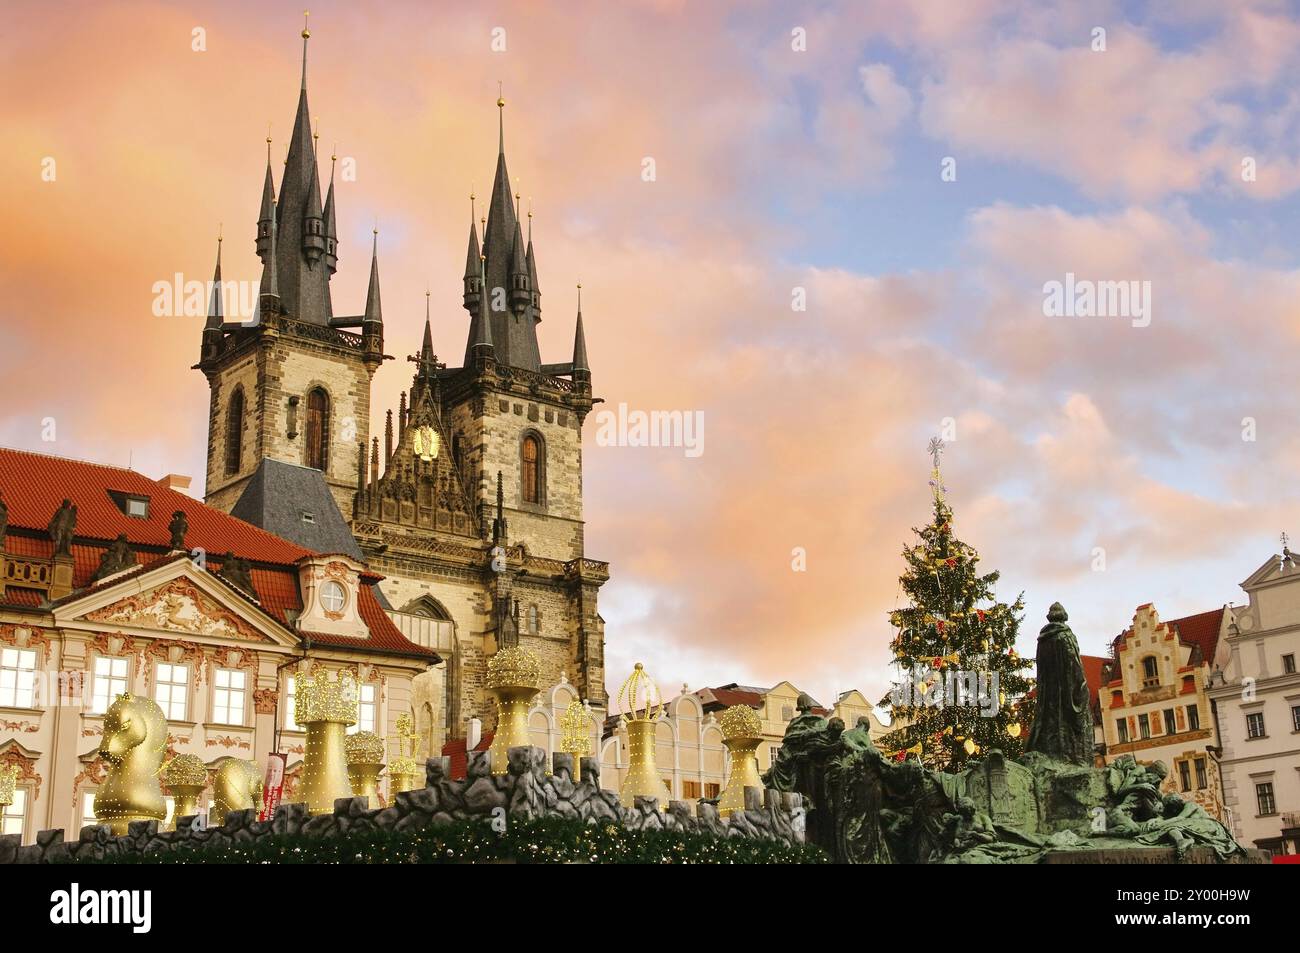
(131, 504)
(308, 517)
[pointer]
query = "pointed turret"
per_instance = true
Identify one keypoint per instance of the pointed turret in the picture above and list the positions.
(331, 225)
(481, 347)
(267, 211)
(313, 219)
(581, 370)
(304, 289)
(372, 324)
(473, 280)
(532, 271)
(521, 295)
(212, 327)
(269, 289)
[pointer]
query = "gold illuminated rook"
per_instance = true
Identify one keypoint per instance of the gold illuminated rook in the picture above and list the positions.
(642, 707)
(742, 733)
(365, 760)
(185, 776)
(326, 707)
(514, 677)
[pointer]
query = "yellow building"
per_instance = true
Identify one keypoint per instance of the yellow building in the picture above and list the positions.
(1154, 704)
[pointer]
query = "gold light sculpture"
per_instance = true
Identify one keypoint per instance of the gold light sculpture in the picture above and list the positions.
(365, 751)
(135, 741)
(185, 776)
(642, 707)
(326, 706)
(742, 733)
(237, 787)
(575, 734)
(404, 770)
(514, 677)
(8, 781)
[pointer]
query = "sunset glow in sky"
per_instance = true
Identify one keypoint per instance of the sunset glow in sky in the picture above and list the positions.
(776, 169)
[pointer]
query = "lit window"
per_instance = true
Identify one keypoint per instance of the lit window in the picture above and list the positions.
(172, 690)
(17, 678)
(332, 597)
(367, 710)
(228, 697)
(110, 681)
(88, 818)
(12, 816)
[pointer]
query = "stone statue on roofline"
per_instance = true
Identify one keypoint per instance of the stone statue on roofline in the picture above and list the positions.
(866, 808)
(178, 527)
(62, 525)
(116, 558)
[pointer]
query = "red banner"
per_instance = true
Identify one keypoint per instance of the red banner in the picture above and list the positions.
(273, 784)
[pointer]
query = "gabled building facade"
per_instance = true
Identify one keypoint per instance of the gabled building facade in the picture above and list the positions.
(111, 582)
(1256, 695)
(469, 502)
(1154, 703)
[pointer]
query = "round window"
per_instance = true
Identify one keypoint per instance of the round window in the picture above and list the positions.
(332, 597)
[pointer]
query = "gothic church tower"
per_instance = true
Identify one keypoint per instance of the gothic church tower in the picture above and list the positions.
(293, 383)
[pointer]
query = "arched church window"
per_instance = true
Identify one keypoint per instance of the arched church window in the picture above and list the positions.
(235, 431)
(533, 466)
(318, 429)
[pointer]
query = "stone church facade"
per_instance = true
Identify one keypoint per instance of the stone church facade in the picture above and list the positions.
(469, 502)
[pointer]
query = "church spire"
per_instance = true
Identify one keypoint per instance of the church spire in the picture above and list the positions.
(481, 344)
(472, 280)
(269, 287)
(267, 211)
(212, 327)
(532, 270)
(374, 313)
(304, 288)
(331, 225)
(581, 370)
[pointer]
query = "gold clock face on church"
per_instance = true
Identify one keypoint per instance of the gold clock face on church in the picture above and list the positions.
(425, 443)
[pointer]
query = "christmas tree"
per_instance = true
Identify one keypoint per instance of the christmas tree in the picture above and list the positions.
(961, 686)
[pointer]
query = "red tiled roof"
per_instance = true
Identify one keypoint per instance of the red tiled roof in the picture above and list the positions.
(1200, 630)
(34, 485)
(455, 750)
(733, 696)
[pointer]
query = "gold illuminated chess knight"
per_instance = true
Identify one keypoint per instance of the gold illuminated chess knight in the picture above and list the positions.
(575, 734)
(237, 787)
(365, 760)
(742, 733)
(326, 706)
(404, 770)
(642, 707)
(514, 678)
(135, 741)
(185, 776)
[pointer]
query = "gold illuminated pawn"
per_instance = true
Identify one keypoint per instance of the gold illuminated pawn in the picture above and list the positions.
(742, 733)
(365, 760)
(514, 677)
(185, 776)
(326, 707)
(642, 708)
